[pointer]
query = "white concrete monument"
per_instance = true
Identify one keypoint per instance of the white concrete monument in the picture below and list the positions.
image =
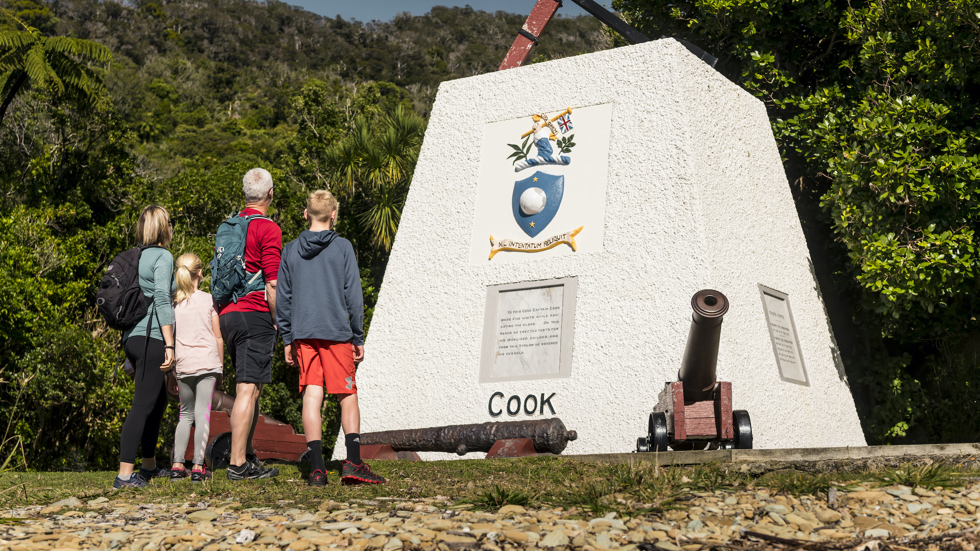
(561, 216)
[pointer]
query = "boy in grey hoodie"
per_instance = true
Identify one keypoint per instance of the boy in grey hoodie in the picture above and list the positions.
(320, 314)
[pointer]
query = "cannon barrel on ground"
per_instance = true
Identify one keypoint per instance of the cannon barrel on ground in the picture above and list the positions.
(548, 435)
(701, 354)
(222, 402)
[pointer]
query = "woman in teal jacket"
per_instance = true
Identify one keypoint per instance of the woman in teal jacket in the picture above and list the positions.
(149, 347)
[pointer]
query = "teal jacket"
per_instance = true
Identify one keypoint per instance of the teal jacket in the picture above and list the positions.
(157, 281)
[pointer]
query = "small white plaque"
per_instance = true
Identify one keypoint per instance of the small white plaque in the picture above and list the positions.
(782, 333)
(527, 331)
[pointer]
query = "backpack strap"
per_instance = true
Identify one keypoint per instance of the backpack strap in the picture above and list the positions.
(146, 341)
(149, 322)
(254, 281)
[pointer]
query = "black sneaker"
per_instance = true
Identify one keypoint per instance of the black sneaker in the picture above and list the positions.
(249, 471)
(317, 478)
(201, 476)
(258, 464)
(359, 474)
(150, 474)
(135, 481)
(178, 474)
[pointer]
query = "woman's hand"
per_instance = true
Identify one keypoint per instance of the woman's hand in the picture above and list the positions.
(168, 360)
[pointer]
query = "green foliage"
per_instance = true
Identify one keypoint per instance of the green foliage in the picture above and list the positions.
(498, 496)
(873, 106)
(593, 496)
(54, 366)
(797, 483)
(29, 12)
(903, 200)
(185, 108)
(631, 475)
(59, 63)
(371, 169)
(522, 151)
(898, 396)
(935, 475)
(711, 477)
(566, 144)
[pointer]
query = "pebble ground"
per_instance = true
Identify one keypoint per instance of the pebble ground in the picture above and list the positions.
(898, 517)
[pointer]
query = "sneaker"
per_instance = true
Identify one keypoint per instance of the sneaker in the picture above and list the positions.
(249, 471)
(359, 474)
(178, 474)
(317, 478)
(201, 476)
(135, 481)
(150, 474)
(260, 465)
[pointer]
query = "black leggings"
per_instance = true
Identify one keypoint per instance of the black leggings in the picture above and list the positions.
(142, 426)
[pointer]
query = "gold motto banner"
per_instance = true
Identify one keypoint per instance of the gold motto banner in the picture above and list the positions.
(497, 245)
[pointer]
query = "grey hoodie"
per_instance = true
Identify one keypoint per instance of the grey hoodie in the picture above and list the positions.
(318, 293)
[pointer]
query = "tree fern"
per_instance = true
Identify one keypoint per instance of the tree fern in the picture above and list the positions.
(60, 64)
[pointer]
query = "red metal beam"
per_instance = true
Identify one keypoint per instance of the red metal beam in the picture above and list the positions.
(542, 12)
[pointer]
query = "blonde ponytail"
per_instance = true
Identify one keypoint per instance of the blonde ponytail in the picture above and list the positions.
(188, 267)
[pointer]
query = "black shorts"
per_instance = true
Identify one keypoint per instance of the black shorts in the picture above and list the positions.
(251, 339)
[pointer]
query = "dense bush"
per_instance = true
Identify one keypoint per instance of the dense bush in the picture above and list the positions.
(187, 107)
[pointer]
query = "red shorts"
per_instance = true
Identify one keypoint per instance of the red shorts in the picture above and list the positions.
(329, 364)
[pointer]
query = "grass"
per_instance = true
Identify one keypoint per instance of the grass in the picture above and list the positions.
(712, 477)
(802, 484)
(590, 488)
(937, 475)
(498, 496)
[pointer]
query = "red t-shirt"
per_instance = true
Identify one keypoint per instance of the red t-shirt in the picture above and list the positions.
(263, 250)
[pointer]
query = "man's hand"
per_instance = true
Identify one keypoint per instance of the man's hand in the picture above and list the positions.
(290, 355)
(358, 353)
(171, 382)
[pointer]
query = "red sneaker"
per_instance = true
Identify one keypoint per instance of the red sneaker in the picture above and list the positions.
(359, 474)
(317, 478)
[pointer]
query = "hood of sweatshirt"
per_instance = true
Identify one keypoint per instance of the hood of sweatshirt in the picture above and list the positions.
(311, 243)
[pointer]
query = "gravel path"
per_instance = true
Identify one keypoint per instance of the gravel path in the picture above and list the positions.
(902, 517)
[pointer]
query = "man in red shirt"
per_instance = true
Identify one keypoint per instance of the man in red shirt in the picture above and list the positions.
(249, 329)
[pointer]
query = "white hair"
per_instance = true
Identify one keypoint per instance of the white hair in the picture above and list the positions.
(256, 184)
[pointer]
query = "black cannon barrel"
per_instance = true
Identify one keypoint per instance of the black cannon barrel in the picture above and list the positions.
(701, 354)
(549, 436)
(222, 402)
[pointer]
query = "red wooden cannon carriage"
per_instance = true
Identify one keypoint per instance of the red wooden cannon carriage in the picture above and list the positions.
(696, 411)
(273, 439)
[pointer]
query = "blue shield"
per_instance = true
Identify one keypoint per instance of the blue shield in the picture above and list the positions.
(553, 188)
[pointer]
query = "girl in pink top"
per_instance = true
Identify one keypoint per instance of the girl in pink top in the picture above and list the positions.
(199, 351)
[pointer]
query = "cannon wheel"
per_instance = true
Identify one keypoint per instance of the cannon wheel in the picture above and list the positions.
(657, 437)
(218, 453)
(642, 444)
(743, 429)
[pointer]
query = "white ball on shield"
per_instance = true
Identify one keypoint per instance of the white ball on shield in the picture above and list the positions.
(533, 201)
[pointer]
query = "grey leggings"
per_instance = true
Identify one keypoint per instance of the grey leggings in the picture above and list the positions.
(195, 408)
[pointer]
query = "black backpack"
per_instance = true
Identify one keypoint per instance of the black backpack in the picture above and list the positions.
(120, 299)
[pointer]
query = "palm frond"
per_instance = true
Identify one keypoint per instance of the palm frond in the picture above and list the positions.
(384, 215)
(61, 44)
(36, 65)
(16, 39)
